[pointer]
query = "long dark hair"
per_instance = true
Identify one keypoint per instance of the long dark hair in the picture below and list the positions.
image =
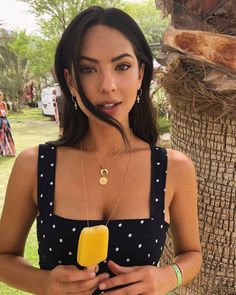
(142, 117)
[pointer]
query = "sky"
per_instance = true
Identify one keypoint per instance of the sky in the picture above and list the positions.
(14, 15)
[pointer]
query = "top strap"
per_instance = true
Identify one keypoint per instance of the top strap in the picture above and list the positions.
(46, 178)
(158, 187)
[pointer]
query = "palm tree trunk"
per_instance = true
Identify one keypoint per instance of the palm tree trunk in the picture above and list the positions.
(202, 94)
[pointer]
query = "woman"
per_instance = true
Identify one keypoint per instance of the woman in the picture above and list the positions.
(7, 147)
(116, 175)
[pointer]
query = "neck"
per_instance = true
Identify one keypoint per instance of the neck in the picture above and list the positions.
(105, 141)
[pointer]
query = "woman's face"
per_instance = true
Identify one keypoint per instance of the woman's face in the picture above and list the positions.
(109, 72)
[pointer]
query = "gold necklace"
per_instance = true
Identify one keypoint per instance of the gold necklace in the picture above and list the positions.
(92, 234)
(103, 180)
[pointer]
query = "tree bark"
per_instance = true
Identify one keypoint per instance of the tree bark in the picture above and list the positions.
(203, 115)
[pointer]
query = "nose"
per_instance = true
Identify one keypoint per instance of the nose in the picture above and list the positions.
(107, 83)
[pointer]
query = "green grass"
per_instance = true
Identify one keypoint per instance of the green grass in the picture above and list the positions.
(29, 128)
(28, 114)
(39, 129)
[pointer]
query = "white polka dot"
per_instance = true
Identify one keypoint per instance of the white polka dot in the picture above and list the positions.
(161, 248)
(73, 229)
(53, 148)
(70, 253)
(154, 262)
(157, 180)
(52, 164)
(44, 236)
(41, 196)
(140, 246)
(166, 171)
(164, 211)
(156, 241)
(42, 156)
(53, 226)
(59, 261)
(157, 148)
(158, 163)
(156, 200)
(120, 225)
(41, 175)
(105, 261)
(50, 249)
(41, 221)
(60, 240)
(161, 225)
(117, 249)
(149, 255)
(51, 183)
(50, 214)
(129, 235)
(50, 203)
(127, 259)
(142, 221)
(164, 189)
(152, 218)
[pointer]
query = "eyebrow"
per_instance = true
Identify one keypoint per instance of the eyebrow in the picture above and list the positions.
(116, 58)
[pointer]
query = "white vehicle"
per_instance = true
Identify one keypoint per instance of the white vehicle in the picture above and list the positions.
(48, 100)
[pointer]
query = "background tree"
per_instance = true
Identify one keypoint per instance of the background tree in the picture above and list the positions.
(14, 70)
(199, 52)
(54, 16)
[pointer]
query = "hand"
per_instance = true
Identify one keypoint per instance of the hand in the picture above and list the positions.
(148, 280)
(68, 279)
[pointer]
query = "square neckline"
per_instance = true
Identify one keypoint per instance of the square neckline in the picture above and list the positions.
(104, 221)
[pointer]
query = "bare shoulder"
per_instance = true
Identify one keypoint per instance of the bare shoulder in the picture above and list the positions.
(178, 161)
(28, 156)
(26, 163)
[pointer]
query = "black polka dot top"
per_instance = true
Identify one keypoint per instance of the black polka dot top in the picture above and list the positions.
(132, 242)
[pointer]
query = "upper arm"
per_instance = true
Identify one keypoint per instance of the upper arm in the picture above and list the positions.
(183, 208)
(19, 209)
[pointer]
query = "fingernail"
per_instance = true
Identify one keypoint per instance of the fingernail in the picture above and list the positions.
(102, 286)
(92, 275)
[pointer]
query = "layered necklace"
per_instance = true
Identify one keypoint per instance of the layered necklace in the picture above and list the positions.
(103, 180)
(122, 185)
(94, 235)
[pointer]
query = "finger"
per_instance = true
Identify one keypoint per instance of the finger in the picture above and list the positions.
(121, 280)
(94, 268)
(70, 273)
(133, 289)
(84, 286)
(118, 269)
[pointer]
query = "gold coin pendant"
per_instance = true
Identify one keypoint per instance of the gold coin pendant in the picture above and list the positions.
(103, 180)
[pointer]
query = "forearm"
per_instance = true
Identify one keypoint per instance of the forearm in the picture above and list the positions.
(189, 264)
(16, 272)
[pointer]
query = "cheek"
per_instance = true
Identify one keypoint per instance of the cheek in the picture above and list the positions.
(88, 86)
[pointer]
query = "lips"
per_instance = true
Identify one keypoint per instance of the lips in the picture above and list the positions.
(109, 106)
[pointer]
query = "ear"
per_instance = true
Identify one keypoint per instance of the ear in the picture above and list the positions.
(141, 73)
(70, 82)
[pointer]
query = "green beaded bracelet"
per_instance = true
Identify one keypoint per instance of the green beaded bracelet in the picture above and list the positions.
(178, 273)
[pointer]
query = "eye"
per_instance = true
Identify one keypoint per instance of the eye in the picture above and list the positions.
(123, 67)
(86, 70)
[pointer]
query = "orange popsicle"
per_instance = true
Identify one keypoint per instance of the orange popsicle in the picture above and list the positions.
(93, 245)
